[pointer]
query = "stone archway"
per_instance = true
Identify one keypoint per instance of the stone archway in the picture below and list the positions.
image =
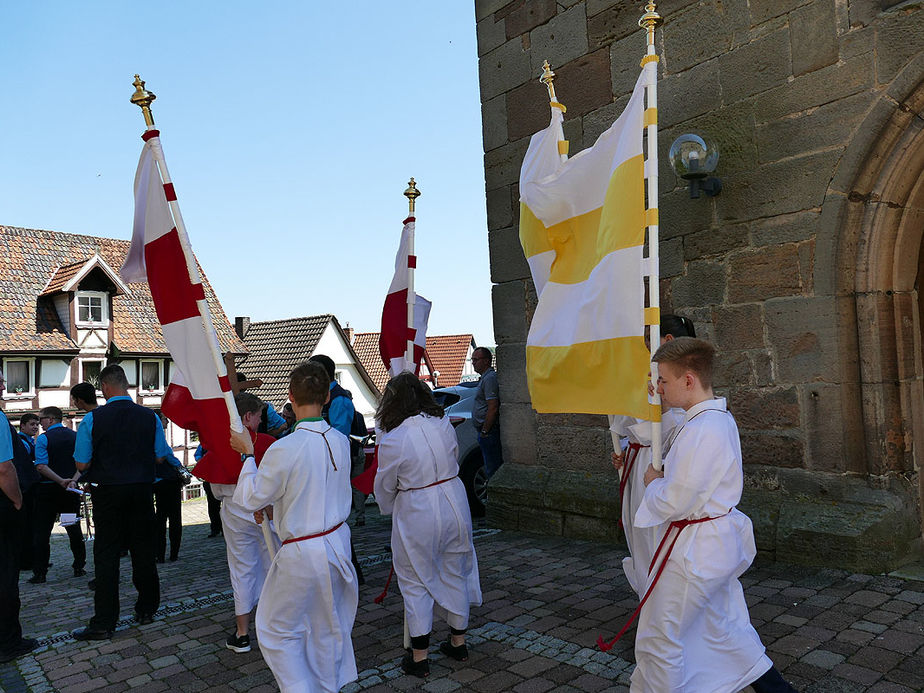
(878, 224)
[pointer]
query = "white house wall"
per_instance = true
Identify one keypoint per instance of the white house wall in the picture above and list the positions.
(54, 398)
(55, 373)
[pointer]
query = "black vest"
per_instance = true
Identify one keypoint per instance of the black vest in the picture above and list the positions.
(61, 451)
(123, 444)
(22, 461)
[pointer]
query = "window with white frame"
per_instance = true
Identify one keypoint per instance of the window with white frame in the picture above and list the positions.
(92, 308)
(90, 370)
(152, 376)
(19, 374)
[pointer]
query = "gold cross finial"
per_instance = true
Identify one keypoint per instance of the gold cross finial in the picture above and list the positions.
(143, 98)
(412, 193)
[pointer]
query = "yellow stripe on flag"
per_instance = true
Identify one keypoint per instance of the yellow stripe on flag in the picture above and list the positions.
(652, 316)
(580, 243)
(534, 237)
(602, 377)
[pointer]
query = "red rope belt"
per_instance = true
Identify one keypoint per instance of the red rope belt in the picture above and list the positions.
(680, 525)
(435, 483)
(631, 455)
(312, 536)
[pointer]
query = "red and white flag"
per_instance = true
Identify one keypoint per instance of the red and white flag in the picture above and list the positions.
(395, 332)
(161, 256)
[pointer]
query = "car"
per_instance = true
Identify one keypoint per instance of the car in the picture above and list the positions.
(457, 401)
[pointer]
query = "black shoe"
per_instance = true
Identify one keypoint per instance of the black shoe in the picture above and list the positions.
(92, 584)
(25, 646)
(456, 652)
(91, 634)
(144, 619)
(79, 572)
(212, 535)
(37, 579)
(123, 553)
(238, 643)
(173, 558)
(419, 669)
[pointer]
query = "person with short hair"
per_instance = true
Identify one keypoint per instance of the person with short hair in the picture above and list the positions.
(83, 395)
(486, 410)
(694, 633)
(308, 605)
(119, 445)
(12, 644)
(249, 558)
(54, 461)
(170, 477)
(431, 533)
(633, 458)
(28, 430)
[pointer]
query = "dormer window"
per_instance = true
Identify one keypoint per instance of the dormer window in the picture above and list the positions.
(92, 308)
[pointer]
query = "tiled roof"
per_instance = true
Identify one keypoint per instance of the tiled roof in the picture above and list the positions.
(447, 354)
(62, 276)
(276, 347)
(31, 258)
(366, 346)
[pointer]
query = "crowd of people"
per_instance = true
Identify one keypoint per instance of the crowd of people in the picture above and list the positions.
(284, 515)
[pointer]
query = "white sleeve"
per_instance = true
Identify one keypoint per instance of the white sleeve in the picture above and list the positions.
(386, 476)
(692, 472)
(259, 487)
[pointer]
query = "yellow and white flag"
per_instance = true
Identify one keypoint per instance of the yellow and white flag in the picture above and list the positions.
(582, 227)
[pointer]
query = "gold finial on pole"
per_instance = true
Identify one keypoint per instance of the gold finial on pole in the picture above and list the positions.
(650, 20)
(143, 98)
(412, 193)
(546, 79)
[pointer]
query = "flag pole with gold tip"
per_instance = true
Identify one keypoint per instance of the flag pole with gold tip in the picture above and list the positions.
(412, 193)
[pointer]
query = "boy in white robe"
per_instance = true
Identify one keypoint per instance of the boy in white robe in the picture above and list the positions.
(308, 604)
(633, 459)
(694, 634)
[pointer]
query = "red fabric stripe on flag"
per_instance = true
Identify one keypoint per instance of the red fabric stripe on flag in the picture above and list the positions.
(168, 276)
(198, 291)
(150, 134)
(169, 192)
(410, 334)
(408, 220)
(211, 419)
(224, 383)
(412, 261)
(392, 338)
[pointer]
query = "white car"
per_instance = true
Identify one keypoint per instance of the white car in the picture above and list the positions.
(458, 401)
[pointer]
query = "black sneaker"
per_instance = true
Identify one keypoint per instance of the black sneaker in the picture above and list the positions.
(79, 572)
(419, 669)
(37, 579)
(238, 643)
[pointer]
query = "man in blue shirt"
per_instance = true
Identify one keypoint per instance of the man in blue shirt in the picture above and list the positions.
(12, 644)
(28, 429)
(486, 411)
(54, 460)
(119, 444)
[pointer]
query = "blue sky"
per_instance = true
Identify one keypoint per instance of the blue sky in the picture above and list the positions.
(290, 130)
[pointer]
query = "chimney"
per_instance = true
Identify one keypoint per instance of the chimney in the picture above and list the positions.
(349, 332)
(242, 326)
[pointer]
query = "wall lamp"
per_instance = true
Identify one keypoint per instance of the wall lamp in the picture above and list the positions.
(693, 157)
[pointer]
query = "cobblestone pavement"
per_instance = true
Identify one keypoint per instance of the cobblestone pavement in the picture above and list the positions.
(546, 600)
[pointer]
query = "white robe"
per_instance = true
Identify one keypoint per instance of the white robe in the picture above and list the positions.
(694, 634)
(431, 531)
(306, 612)
(642, 541)
(248, 556)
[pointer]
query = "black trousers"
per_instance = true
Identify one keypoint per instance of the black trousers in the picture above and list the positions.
(214, 508)
(25, 519)
(10, 630)
(123, 514)
(51, 499)
(167, 498)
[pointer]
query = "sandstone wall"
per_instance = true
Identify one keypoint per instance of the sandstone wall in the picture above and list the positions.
(793, 271)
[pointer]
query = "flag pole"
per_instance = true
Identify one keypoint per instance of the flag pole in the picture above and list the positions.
(546, 79)
(412, 193)
(648, 22)
(143, 99)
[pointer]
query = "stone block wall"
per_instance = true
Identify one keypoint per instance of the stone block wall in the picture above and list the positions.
(794, 270)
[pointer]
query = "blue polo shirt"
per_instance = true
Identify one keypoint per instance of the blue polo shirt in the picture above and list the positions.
(6, 439)
(41, 446)
(273, 419)
(340, 413)
(83, 450)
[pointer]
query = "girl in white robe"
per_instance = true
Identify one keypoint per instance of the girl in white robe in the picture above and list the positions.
(417, 481)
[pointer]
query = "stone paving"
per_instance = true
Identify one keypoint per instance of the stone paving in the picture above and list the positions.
(546, 600)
